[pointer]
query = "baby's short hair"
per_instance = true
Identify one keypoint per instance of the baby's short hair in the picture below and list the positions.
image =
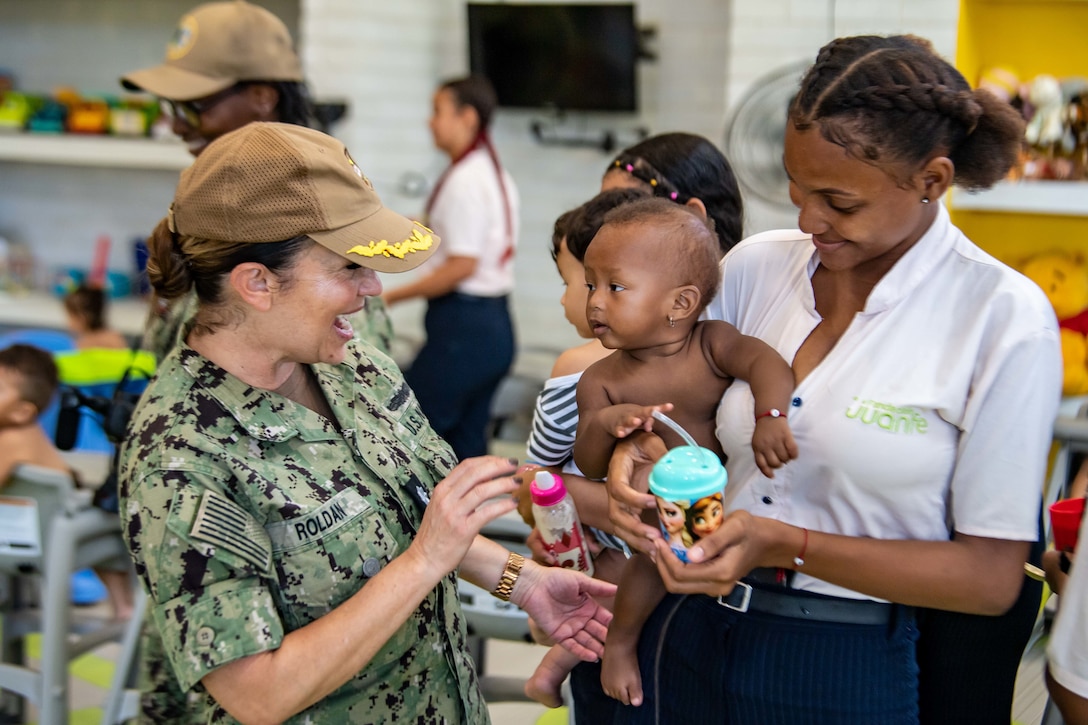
(693, 246)
(585, 225)
(36, 371)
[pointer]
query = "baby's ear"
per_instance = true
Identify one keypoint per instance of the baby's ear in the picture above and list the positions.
(24, 412)
(686, 301)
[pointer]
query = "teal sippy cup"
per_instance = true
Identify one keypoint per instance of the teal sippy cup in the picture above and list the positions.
(688, 483)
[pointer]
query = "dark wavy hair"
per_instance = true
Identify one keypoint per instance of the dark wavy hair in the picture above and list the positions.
(681, 166)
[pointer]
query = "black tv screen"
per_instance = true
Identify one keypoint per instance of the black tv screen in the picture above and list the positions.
(570, 57)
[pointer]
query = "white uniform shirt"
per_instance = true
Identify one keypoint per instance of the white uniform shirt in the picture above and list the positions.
(1067, 652)
(932, 412)
(470, 217)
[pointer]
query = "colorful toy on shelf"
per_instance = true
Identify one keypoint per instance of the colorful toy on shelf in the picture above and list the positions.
(1045, 127)
(1002, 82)
(1064, 279)
(50, 117)
(88, 115)
(15, 110)
(131, 116)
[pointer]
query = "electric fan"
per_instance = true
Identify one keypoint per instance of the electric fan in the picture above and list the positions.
(755, 135)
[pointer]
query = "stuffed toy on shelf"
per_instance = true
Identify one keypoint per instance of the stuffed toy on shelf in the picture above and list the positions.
(1064, 279)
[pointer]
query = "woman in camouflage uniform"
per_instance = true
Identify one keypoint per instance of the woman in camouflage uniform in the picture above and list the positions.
(292, 515)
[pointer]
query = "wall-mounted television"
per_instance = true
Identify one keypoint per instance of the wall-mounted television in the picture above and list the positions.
(571, 57)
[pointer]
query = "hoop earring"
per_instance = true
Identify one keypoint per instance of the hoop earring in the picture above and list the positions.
(925, 199)
(672, 322)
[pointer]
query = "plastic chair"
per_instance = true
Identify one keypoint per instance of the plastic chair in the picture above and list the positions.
(50, 531)
(96, 373)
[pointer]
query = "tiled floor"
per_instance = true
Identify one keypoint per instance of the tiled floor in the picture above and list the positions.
(515, 659)
(91, 677)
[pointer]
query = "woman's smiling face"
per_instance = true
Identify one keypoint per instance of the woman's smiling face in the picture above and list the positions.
(321, 290)
(859, 216)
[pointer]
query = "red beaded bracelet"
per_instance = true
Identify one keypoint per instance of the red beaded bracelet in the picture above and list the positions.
(772, 413)
(799, 560)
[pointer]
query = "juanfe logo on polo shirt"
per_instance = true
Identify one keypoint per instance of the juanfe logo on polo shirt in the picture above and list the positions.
(891, 418)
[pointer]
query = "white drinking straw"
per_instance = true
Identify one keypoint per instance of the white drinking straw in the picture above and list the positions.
(676, 427)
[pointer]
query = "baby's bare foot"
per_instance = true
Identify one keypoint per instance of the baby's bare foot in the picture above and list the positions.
(620, 676)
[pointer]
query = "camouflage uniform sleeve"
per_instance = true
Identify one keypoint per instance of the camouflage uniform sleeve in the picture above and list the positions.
(205, 562)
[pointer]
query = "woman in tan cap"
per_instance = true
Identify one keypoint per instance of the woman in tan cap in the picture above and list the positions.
(228, 64)
(293, 516)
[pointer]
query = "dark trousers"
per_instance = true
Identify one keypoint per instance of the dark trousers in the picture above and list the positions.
(469, 350)
(703, 663)
(969, 662)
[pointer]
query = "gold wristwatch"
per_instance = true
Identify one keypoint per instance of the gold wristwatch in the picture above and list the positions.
(510, 574)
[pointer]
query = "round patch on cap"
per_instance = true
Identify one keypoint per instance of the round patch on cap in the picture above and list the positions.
(183, 40)
(356, 169)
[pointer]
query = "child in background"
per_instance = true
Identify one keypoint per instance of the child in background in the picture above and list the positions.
(551, 442)
(86, 307)
(28, 380)
(650, 272)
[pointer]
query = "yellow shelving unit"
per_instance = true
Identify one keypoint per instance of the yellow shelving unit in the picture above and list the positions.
(1028, 37)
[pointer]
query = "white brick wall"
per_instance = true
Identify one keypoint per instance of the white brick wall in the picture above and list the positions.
(384, 58)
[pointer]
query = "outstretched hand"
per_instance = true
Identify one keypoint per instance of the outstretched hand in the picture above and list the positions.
(562, 603)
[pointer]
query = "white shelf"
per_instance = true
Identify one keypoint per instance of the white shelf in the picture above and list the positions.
(1067, 198)
(103, 151)
(40, 309)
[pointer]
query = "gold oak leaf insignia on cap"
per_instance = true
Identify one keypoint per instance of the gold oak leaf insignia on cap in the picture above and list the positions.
(418, 242)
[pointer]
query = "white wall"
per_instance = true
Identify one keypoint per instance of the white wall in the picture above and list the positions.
(385, 58)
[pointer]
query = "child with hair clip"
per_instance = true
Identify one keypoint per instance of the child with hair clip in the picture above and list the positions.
(650, 272)
(555, 420)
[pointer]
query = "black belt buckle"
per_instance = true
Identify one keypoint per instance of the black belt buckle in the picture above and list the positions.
(745, 596)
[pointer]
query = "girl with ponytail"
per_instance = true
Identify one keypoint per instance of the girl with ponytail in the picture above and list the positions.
(470, 334)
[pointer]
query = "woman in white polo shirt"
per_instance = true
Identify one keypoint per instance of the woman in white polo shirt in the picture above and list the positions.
(470, 334)
(928, 376)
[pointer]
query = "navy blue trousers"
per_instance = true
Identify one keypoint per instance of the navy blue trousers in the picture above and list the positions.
(703, 663)
(969, 661)
(469, 350)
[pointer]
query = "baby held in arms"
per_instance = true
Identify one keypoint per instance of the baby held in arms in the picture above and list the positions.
(650, 272)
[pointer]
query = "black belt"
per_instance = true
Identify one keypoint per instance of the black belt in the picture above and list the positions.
(798, 605)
